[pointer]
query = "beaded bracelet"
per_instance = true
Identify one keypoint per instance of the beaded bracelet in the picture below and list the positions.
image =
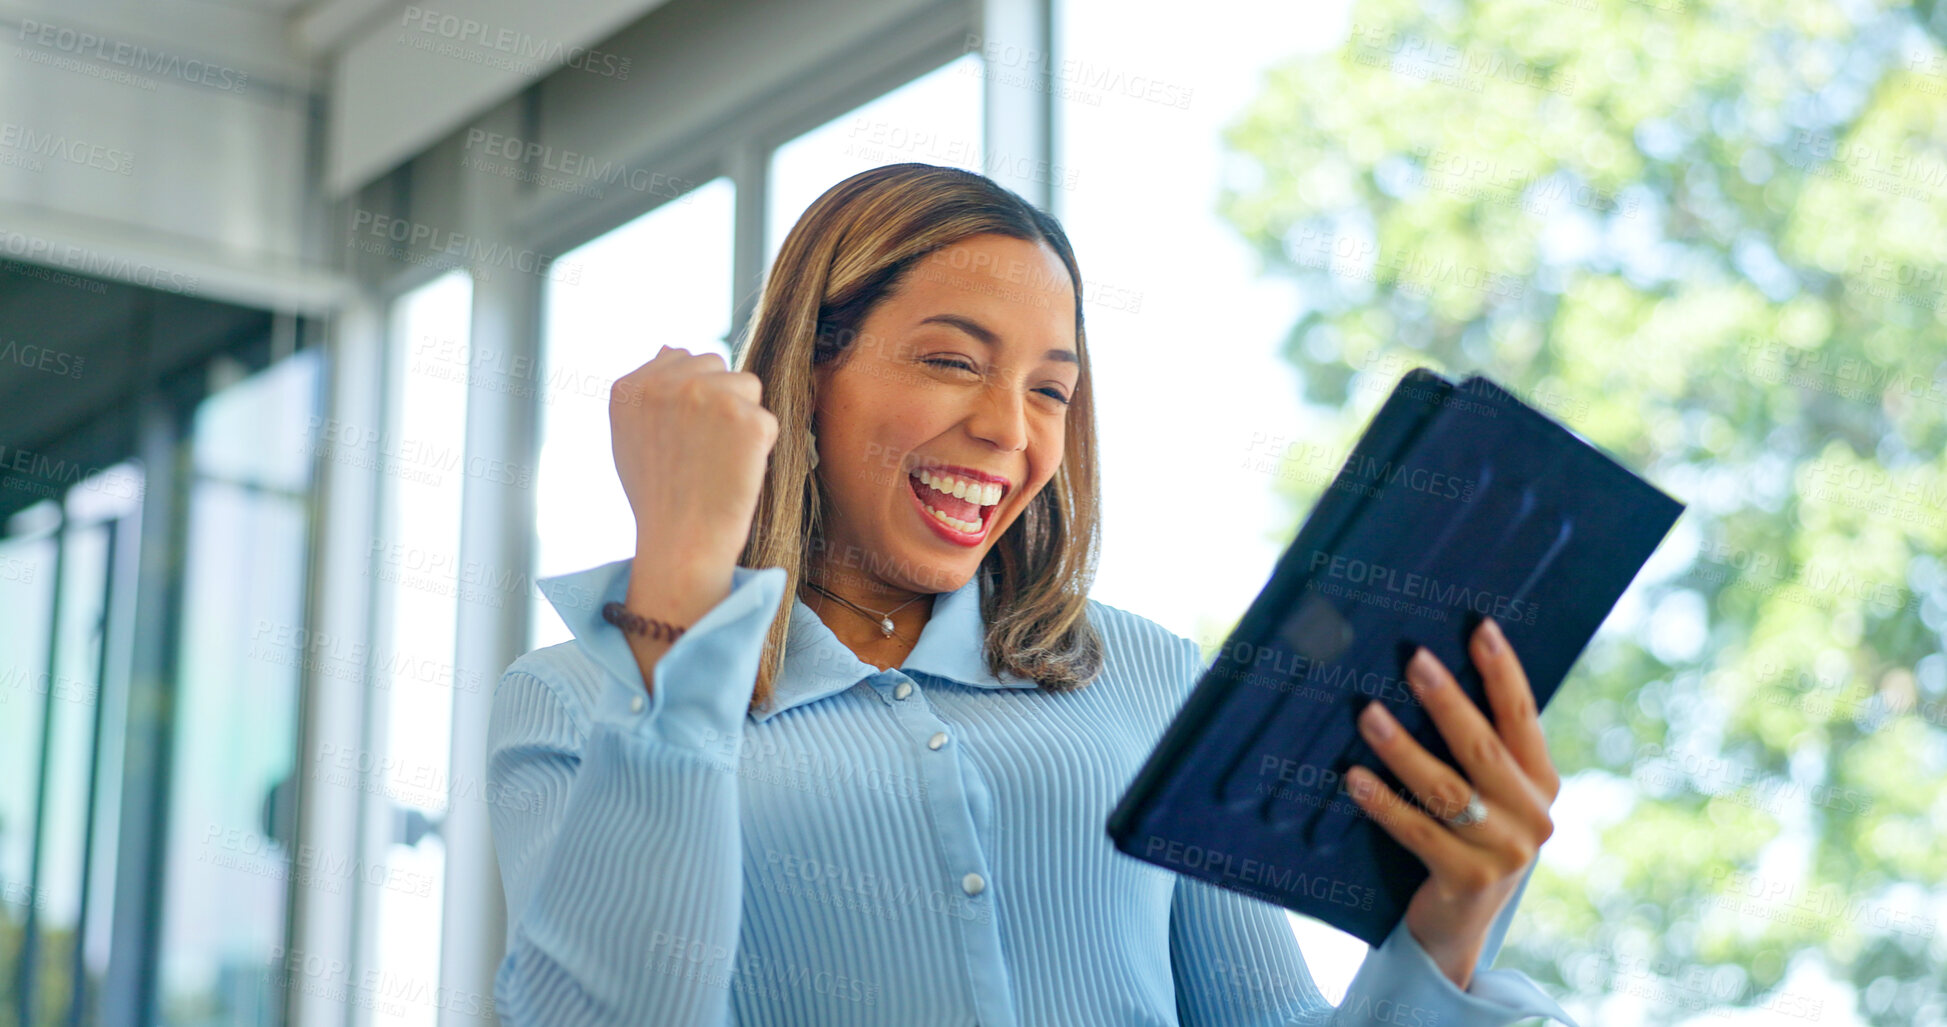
(634, 623)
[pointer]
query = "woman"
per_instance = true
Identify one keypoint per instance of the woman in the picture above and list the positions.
(883, 802)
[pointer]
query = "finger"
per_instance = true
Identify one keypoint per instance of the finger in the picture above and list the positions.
(1440, 789)
(709, 367)
(623, 392)
(1508, 837)
(1438, 847)
(1473, 741)
(1512, 698)
(745, 384)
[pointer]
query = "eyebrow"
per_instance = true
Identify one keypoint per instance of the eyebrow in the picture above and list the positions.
(986, 334)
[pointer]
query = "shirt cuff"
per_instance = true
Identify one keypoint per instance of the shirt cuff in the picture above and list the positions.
(703, 680)
(1400, 983)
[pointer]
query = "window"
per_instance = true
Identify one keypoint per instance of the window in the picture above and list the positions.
(662, 279)
(416, 569)
(70, 725)
(934, 119)
(229, 850)
(60, 746)
(27, 560)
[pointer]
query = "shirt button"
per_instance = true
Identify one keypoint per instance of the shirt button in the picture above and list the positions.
(902, 690)
(635, 705)
(938, 739)
(972, 884)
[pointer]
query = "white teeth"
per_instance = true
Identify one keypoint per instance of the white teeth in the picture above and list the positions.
(955, 523)
(978, 493)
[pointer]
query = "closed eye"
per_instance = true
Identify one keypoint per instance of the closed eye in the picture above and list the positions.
(1051, 393)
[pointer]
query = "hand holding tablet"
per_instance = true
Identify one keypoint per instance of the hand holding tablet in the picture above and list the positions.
(1459, 503)
(1477, 831)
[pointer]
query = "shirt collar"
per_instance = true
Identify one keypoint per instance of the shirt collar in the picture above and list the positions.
(816, 663)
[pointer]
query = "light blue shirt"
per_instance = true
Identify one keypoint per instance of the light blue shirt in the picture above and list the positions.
(917, 846)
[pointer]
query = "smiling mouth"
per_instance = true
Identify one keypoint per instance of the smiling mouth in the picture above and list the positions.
(963, 515)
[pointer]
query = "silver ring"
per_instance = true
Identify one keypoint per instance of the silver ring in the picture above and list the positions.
(1473, 813)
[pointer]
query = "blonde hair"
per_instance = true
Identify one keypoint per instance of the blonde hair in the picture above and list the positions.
(847, 252)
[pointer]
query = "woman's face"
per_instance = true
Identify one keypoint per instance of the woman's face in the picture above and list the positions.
(961, 374)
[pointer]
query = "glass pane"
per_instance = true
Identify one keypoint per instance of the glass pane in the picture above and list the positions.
(664, 278)
(26, 611)
(419, 562)
(228, 852)
(249, 439)
(114, 492)
(119, 489)
(72, 693)
(934, 119)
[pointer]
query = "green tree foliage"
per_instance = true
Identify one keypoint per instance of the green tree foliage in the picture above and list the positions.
(1713, 240)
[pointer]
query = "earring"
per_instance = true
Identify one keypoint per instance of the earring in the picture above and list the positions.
(814, 449)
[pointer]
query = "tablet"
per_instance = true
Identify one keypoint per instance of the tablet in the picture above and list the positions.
(1458, 501)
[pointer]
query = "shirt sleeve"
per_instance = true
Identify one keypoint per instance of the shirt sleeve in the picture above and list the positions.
(623, 874)
(1236, 963)
(1399, 971)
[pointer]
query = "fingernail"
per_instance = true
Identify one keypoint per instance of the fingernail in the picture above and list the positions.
(1360, 783)
(1421, 671)
(1491, 637)
(1377, 723)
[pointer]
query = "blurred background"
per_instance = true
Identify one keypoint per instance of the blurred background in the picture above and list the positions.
(309, 311)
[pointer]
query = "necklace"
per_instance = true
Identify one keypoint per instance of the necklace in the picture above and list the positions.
(884, 619)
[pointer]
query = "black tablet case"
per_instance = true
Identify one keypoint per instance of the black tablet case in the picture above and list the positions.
(1457, 501)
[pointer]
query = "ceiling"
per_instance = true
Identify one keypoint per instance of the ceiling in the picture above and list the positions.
(72, 352)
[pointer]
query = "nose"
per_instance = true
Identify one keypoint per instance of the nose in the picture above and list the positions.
(1000, 416)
